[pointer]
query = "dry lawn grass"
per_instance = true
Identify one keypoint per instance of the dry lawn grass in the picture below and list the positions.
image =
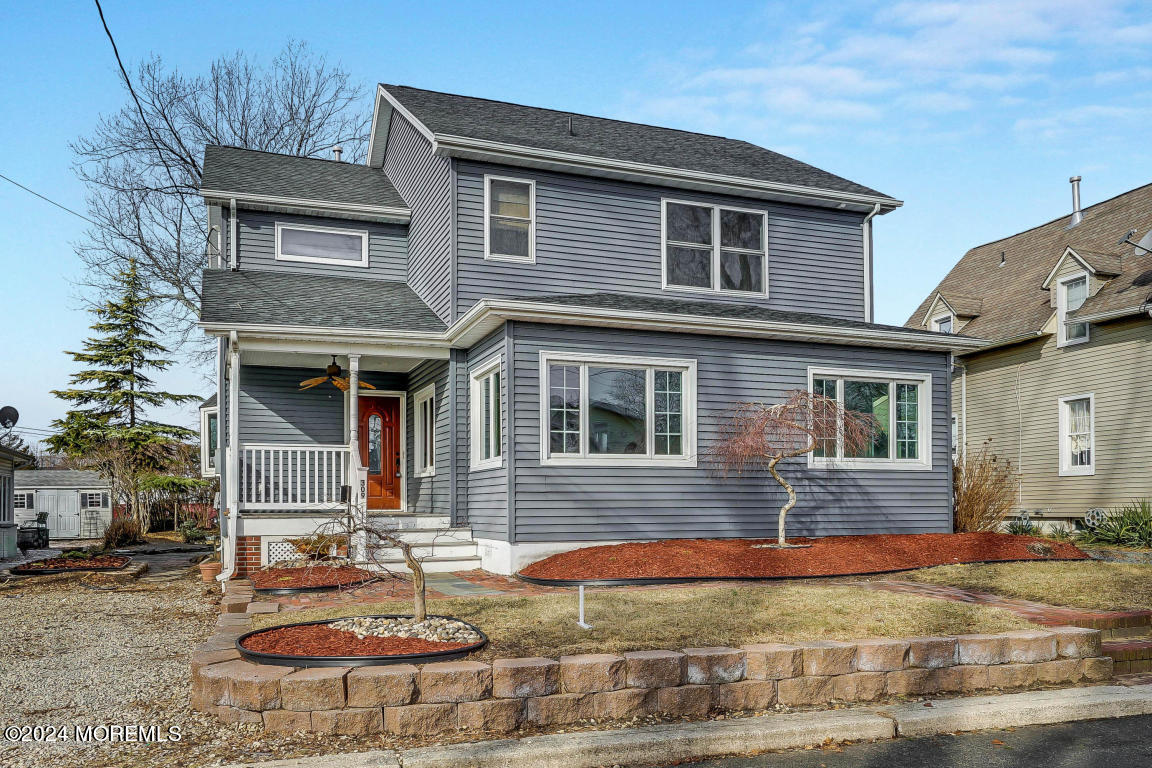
(629, 620)
(1087, 584)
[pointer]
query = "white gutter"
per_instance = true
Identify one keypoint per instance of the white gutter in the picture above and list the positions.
(1112, 314)
(383, 211)
(228, 556)
(866, 233)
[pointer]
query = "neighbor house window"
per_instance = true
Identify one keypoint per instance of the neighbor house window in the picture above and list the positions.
(1071, 295)
(713, 248)
(599, 410)
(209, 440)
(942, 324)
(510, 219)
(93, 500)
(954, 439)
(424, 407)
(900, 405)
(485, 407)
(321, 245)
(1077, 435)
(23, 501)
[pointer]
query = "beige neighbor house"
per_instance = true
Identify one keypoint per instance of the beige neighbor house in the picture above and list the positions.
(1064, 386)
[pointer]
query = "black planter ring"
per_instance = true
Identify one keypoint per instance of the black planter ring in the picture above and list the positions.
(319, 588)
(287, 660)
(25, 571)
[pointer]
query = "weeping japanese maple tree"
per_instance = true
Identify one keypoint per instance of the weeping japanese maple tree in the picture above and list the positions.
(758, 436)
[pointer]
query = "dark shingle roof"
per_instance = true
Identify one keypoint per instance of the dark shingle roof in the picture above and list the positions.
(1014, 302)
(713, 309)
(209, 402)
(547, 129)
(59, 478)
(289, 298)
(248, 171)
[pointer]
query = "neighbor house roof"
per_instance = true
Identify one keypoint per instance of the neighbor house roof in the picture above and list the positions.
(209, 402)
(241, 172)
(15, 456)
(1013, 302)
(287, 298)
(450, 115)
(59, 478)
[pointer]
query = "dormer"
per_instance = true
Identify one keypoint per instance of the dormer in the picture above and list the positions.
(1076, 276)
(949, 315)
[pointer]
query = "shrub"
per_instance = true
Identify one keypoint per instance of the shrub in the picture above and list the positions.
(122, 532)
(985, 488)
(1126, 526)
(76, 554)
(1060, 531)
(1022, 526)
(320, 546)
(191, 533)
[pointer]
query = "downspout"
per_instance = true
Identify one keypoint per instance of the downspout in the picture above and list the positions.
(963, 411)
(233, 454)
(866, 232)
(233, 226)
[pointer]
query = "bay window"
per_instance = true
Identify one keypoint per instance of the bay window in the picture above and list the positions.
(602, 410)
(714, 248)
(899, 404)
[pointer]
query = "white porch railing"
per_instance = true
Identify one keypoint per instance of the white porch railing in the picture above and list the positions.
(278, 476)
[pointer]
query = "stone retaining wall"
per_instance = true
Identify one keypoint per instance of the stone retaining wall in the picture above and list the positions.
(500, 696)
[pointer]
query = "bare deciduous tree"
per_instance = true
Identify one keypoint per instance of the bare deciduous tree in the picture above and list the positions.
(143, 165)
(761, 435)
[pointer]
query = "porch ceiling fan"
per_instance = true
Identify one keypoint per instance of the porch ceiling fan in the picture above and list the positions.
(334, 374)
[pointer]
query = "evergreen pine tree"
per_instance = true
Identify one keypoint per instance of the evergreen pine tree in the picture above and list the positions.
(109, 425)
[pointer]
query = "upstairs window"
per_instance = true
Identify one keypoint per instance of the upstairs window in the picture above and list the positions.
(424, 406)
(1077, 435)
(321, 245)
(510, 219)
(713, 248)
(942, 324)
(1072, 292)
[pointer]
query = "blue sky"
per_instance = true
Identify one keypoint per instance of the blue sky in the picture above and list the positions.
(973, 113)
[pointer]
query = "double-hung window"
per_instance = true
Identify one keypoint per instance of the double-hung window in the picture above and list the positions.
(485, 414)
(900, 404)
(1077, 435)
(604, 410)
(1071, 295)
(509, 219)
(321, 245)
(424, 440)
(714, 248)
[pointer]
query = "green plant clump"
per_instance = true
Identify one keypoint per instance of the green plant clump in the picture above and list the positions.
(191, 533)
(1127, 526)
(1022, 526)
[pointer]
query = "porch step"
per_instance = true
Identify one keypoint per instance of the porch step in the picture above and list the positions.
(440, 550)
(446, 564)
(404, 522)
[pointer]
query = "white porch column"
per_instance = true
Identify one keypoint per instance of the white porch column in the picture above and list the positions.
(360, 540)
(232, 459)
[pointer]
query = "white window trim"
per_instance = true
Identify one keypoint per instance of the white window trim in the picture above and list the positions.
(584, 459)
(488, 255)
(424, 395)
(1062, 339)
(206, 470)
(715, 289)
(362, 234)
(23, 496)
(939, 319)
(476, 418)
(924, 450)
(1066, 468)
(99, 499)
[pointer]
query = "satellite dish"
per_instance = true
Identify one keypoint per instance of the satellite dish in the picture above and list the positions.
(8, 417)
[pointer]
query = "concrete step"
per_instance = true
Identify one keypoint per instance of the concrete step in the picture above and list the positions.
(431, 564)
(410, 521)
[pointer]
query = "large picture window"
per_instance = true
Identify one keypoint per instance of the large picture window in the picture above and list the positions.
(900, 404)
(321, 245)
(485, 408)
(1078, 435)
(509, 219)
(424, 439)
(601, 410)
(714, 248)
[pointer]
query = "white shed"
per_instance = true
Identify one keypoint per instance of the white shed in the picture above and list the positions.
(78, 502)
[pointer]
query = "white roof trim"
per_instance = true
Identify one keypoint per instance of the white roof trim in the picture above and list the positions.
(381, 211)
(931, 313)
(1111, 314)
(1067, 252)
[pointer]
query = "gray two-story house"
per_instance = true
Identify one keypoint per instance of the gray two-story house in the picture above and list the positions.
(537, 322)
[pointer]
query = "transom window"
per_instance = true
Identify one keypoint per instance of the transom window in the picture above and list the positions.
(601, 410)
(1073, 292)
(714, 248)
(424, 407)
(510, 218)
(485, 408)
(1077, 435)
(900, 404)
(321, 245)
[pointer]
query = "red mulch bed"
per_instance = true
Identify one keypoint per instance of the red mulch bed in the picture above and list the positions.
(830, 556)
(309, 576)
(94, 563)
(322, 640)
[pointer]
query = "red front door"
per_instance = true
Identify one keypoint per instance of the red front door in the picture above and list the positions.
(380, 450)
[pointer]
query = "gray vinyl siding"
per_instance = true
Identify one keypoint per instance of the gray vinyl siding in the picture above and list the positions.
(273, 408)
(424, 180)
(486, 490)
(387, 246)
(605, 235)
(605, 503)
(429, 495)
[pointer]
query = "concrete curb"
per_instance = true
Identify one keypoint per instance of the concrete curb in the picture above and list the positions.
(673, 742)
